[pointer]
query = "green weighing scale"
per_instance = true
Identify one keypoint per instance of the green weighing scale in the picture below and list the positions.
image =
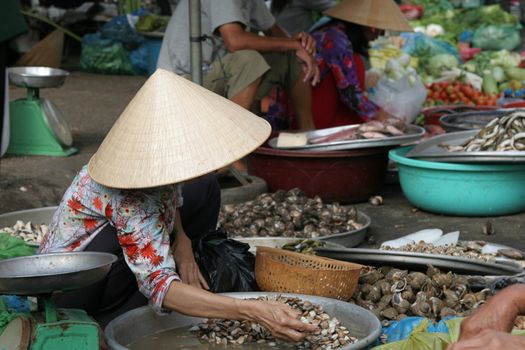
(37, 127)
(49, 328)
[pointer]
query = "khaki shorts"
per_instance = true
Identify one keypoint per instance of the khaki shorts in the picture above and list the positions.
(235, 71)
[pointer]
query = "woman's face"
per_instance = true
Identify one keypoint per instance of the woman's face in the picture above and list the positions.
(372, 33)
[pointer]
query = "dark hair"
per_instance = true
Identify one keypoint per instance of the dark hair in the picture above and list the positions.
(356, 35)
(278, 5)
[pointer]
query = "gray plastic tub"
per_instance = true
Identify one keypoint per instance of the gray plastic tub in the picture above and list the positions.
(136, 324)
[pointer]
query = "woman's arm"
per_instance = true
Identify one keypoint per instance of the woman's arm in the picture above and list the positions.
(185, 259)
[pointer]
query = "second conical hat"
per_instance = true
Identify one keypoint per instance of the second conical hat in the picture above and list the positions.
(382, 14)
(174, 130)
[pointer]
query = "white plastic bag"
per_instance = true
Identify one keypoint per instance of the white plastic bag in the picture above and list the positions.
(402, 98)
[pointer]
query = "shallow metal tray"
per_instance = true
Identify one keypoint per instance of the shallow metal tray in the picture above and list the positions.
(414, 133)
(46, 273)
(138, 323)
(37, 77)
(419, 261)
(470, 120)
(431, 150)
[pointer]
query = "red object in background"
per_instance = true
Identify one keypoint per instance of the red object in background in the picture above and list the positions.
(433, 114)
(516, 104)
(327, 109)
(343, 176)
(468, 53)
(412, 12)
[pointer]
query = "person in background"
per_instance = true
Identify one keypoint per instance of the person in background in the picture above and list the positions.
(240, 64)
(342, 41)
(298, 15)
(13, 24)
(490, 326)
(148, 181)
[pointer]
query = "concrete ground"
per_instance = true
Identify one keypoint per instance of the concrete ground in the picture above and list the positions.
(91, 103)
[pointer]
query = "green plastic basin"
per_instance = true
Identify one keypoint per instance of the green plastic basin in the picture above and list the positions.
(461, 189)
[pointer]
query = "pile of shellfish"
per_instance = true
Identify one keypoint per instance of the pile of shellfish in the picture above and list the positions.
(29, 232)
(506, 133)
(330, 334)
(463, 249)
(393, 294)
(287, 214)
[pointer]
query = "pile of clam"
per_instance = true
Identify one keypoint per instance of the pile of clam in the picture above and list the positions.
(393, 294)
(287, 214)
(29, 232)
(505, 133)
(463, 249)
(330, 335)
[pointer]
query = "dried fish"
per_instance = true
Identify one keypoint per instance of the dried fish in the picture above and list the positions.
(330, 335)
(505, 133)
(29, 232)
(287, 214)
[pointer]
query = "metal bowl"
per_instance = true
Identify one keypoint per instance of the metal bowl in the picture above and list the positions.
(469, 120)
(46, 273)
(37, 77)
(139, 323)
(344, 239)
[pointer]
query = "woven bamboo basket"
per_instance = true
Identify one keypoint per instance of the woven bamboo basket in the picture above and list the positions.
(279, 270)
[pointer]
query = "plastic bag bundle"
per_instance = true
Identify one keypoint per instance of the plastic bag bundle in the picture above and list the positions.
(502, 37)
(403, 98)
(100, 55)
(12, 247)
(226, 264)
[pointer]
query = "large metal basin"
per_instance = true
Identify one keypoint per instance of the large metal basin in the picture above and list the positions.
(36, 216)
(136, 324)
(37, 77)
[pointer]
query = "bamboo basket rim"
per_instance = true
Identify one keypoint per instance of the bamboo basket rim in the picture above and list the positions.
(277, 251)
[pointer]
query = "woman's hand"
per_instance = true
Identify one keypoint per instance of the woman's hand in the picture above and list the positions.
(189, 271)
(281, 320)
(307, 42)
(497, 314)
(310, 68)
(490, 339)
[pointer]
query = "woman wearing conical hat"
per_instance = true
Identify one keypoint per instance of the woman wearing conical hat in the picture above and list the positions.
(342, 40)
(128, 200)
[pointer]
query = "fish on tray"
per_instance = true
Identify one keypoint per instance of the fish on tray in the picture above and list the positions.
(370, 130)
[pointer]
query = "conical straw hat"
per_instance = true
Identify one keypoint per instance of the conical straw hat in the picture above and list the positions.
(174, 130)
(381, 14)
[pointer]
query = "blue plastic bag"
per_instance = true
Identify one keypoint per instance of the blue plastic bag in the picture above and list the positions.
(419, 42)
(119, 30)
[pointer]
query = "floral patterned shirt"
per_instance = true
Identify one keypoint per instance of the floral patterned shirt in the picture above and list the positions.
(335, 54)
(143, 220)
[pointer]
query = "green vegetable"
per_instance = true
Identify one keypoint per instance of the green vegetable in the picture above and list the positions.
(440, 63)
(498, 74)
(515, 73)
(490, 86)
(503, 86)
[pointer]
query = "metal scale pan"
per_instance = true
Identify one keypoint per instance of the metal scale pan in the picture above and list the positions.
(413, 133)
(46, 273)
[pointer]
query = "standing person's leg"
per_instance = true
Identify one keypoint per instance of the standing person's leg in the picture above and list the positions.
(286, 72)
(201, 205)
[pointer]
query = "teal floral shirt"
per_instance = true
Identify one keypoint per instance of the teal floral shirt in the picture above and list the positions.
(143, 219)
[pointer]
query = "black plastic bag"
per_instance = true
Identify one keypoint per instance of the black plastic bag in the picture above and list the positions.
(226, 264)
